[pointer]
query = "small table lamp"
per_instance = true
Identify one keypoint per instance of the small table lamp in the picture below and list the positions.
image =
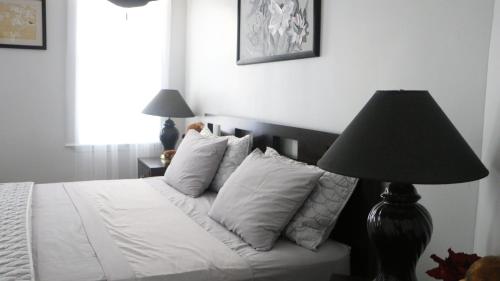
(169, 103)
(402, 137)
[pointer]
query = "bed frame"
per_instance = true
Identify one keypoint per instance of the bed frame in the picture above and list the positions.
(310, 145)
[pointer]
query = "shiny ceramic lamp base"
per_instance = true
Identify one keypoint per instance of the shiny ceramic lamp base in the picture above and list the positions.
(169, 135)
(399, 229)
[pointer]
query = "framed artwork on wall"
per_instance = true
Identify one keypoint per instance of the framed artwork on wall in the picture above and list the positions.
(277, 30)
(23, 24)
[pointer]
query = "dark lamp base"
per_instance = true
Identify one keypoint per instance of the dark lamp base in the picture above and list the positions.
(399, 229)
(169, 135)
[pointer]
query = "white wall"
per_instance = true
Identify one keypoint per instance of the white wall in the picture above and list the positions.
(441, 46)
(488, 226)
(32, 107)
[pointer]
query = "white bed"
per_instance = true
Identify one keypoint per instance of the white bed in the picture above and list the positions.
(146, 230)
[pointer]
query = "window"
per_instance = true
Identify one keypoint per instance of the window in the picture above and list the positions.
(120, 58)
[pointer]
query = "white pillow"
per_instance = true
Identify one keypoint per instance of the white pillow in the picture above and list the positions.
(195, 163)
(261, 197)
(314, 222)
(236, 151)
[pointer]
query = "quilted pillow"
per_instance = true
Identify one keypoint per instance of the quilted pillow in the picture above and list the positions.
(261, 197)
(195, 163)
(236, 151)
(314, 222)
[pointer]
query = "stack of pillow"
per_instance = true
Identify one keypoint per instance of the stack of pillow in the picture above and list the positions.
(260, 195)
(204, 160)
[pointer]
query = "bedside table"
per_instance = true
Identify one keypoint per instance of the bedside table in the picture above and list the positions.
(336, 277)
(151, 167)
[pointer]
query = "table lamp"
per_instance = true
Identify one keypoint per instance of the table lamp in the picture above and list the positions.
(169, 103)
(402, 138)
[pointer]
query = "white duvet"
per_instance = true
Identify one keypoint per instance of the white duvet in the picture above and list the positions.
(121, 217)
(146, 230)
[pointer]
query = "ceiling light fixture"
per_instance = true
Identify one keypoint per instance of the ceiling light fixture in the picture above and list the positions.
(130, 3)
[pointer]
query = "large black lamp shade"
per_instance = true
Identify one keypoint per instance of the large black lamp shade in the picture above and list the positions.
(404, 138)
(169, 103)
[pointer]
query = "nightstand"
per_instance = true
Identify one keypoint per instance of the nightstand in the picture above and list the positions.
(151, 167)
(336, 277)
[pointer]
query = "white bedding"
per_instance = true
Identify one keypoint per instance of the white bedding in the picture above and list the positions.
(15, 251)
(146, 230)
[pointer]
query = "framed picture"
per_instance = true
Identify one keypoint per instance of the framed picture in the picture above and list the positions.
(23, 24)
(276, 30)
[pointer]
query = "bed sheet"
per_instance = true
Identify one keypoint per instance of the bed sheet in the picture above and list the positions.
(64, 251)
(286, 261)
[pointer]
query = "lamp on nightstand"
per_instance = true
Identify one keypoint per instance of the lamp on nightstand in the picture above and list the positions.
(169, 103)
(402, 137)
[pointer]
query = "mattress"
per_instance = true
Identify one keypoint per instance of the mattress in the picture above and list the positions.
(146, 230)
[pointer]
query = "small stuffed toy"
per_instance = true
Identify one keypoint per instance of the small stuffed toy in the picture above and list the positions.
(195, 126)
(169, 154)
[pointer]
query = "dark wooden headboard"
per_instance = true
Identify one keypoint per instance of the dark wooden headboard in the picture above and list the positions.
(310, 145)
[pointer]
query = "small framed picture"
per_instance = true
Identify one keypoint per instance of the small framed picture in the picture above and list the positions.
(23, 24)
(276, 30)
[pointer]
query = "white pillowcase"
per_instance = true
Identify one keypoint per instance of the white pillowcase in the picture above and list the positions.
(314, 222)
(195, 163)
(236, 151)
(261, 197)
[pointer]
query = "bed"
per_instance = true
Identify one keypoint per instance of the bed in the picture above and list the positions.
(143, 229)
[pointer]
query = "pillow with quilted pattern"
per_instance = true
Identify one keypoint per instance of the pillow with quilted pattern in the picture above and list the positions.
(313, 223)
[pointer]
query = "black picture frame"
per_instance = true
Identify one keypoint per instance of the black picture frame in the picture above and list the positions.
(316, 41)
(43, 43)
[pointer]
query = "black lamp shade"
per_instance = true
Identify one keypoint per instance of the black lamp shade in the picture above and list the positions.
(403, 137)
(168, 103)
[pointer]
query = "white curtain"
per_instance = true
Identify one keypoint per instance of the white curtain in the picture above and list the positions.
(103, 162)
(118, 60)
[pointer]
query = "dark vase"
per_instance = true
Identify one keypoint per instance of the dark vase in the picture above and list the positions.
(399, 229)
(169, 135)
